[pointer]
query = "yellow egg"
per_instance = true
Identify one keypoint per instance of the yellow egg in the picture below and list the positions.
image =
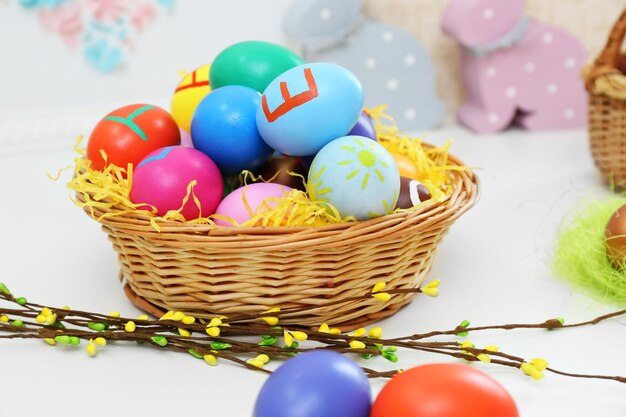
(188, 94)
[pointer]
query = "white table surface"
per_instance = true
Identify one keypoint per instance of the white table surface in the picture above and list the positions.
(494, 267)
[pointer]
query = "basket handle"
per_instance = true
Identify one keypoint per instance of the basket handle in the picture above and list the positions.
(606, 62)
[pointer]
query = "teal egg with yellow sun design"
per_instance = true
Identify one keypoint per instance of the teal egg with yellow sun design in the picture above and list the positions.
(356, 175)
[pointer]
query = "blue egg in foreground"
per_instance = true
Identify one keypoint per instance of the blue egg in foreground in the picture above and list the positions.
(224, 128)
(308, 106)
(318, 383)
(356, 175)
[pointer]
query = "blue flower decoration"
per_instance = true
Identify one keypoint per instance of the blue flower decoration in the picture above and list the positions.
(51, 4)
(103, 57)
(165, 3)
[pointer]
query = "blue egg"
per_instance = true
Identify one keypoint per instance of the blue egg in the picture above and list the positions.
(319, 383)
(356, 175)
(308, 106)
(224, 128)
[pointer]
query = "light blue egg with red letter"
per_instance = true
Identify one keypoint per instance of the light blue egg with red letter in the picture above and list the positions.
(357, 175)
(308, 106)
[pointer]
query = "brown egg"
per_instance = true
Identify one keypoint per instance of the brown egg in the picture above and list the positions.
(280, 166)
(412, 192)
(615, 234)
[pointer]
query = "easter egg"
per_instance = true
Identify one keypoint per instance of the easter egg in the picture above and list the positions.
(162, 179)
(308, 106)
(364, 127)
(130, 133)
(412, 192)
(406, 166)
(252, 196)
(188, 94)
(185, 138)
(224, 128)
(615, 234)
(277, 170)
(443, 390)
(252, 63)
(319, 383)
(357, 176)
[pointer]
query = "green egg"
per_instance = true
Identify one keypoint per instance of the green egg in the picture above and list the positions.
(253, 64)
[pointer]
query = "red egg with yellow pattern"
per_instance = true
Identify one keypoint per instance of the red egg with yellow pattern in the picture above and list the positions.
(128, 134)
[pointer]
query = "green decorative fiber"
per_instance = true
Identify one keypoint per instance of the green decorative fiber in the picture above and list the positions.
(580, 257)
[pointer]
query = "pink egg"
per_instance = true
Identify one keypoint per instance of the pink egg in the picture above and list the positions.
(185, 138)
(233, 204)
(162, 177)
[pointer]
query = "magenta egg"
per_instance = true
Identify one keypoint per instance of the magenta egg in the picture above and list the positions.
(162, 177)
(233, 205)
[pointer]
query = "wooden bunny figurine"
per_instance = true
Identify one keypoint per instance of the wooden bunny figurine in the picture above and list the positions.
(392, 66)
(515, 68)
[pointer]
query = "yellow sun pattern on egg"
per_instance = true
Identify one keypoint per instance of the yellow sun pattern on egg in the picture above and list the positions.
(364, 166)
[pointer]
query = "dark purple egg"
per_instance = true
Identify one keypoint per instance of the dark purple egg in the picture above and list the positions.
(364, 127)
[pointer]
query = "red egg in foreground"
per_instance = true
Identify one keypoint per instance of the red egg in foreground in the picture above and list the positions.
(443, 390)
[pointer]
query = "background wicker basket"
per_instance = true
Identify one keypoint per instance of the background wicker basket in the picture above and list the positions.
(207, 270)
(606, 83)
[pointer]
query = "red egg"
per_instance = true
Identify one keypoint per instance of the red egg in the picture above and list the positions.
(443, 390)
(130, 133)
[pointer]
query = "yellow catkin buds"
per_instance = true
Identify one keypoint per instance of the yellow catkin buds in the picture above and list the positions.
(130, 327)
(357, 344)
(289, 336)
(213, 331)
(432, 288)
(210, 359)
(375, 333)
(259, 361)
(91, 348)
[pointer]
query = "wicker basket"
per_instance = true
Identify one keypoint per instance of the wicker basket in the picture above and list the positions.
(606, 84)
(207, 270)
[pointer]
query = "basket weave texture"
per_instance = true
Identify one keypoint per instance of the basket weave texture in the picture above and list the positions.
(606, 84)
(207, 270)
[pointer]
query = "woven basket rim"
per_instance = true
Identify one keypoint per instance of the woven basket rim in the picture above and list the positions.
(465, 195)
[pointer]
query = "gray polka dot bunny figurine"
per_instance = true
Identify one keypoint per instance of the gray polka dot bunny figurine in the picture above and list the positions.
(392, 66)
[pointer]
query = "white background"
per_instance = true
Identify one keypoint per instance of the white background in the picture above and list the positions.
(50, 89)
(494, 264)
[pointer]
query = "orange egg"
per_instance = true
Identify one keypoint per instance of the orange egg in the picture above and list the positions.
(406, 166)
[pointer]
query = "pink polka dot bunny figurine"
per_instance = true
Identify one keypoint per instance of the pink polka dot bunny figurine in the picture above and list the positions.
(515, 68)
